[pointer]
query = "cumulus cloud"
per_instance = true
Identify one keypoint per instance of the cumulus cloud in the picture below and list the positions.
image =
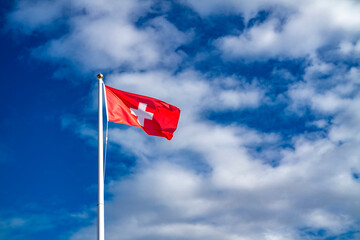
(34, 15)
(216, 94)
(214, 179)
(307, 28)
(239, 198)
(103, 44)
(104, 36)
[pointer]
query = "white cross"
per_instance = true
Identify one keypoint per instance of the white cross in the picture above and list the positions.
(141, 113)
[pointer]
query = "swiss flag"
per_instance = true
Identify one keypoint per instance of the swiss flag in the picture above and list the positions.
(155, 117)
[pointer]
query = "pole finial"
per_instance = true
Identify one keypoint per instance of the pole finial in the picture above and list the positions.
(100, 76)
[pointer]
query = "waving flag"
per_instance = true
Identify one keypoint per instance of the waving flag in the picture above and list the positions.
(155, 117)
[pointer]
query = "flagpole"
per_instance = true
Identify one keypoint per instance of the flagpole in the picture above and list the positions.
(100, 224)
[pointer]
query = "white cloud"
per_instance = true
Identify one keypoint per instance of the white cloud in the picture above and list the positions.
(308, 27)
(103, 36)
(40, 15)
(236, 98)
(104, 43)
(322, 219)
(206, 183)
(236, 195)
(239, 198)
(207, 94)
(327, 88)
(33, 15)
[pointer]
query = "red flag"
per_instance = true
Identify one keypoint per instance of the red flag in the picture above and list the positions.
(155, 117)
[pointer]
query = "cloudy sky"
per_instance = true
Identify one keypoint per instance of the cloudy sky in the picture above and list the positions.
(268, 143)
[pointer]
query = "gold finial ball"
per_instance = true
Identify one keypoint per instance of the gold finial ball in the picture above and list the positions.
(100, 76)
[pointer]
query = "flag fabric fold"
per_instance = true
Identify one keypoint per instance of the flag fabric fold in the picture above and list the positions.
(154, 116)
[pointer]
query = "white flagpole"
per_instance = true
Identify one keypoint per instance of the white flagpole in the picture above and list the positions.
(101, 224)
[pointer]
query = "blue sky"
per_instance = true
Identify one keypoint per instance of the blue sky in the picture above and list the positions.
(267, 145)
